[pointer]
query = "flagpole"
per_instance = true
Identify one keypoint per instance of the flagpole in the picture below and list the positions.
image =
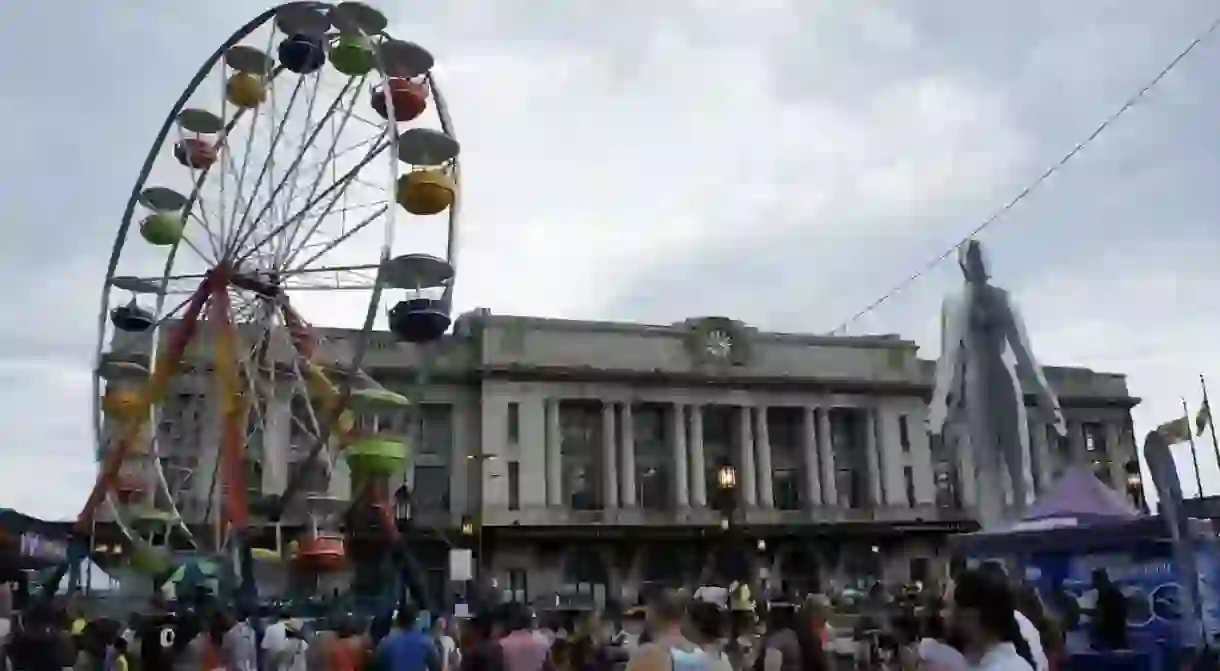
(1194, 454)
(1210, 424)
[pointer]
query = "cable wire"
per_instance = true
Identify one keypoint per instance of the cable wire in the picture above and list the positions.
(1054, 168)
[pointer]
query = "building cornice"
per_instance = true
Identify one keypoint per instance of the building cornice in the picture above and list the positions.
(694, 380)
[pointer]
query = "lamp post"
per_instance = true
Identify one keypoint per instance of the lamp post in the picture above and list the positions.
(402, 522)
(726, 503)
(1135, 485)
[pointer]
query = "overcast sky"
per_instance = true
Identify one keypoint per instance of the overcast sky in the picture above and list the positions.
(783, 163)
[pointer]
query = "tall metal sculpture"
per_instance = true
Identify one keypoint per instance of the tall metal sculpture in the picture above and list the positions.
(985, 357)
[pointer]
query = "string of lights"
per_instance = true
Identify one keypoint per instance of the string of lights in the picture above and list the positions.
(1047, 174)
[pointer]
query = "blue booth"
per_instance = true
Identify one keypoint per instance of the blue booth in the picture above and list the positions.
(1082, 525)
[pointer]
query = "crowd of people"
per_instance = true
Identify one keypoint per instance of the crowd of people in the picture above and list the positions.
(981, 621)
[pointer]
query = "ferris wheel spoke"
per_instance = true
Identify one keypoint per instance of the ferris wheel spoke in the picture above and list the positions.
(313, 134)
(304, 146)
(238, 229)
(327, 247)
(329, 160)
(335, 191)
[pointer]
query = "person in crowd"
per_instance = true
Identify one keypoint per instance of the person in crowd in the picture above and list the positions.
(407, 648)
(238, 643)
(957, 564)
(1033, 639)
(669, 649)
(709, 624)
(782, 649)
(1050, 634)
(481, 650)
(293, 653)
(451, 657)
(1109, 631)
(983, 613)
(934, 652)
(118, 659)
(523, 648)
(816, 612)
(275, 637)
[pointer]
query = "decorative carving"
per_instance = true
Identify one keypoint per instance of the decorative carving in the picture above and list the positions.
(717, 341)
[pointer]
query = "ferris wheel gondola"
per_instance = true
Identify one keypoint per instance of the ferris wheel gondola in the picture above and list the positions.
(280, 174)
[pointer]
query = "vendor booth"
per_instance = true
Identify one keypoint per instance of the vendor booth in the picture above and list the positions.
(1082, 525)
(29, 543)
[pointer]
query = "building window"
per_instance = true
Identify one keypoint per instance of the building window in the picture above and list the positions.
(514, 485)
(904, 433)
(580, 430)
(787, 489)
(653, 458)
(909, 474)
(433, 429)
(431, 491)
(518, 585)
(944, 473)
(784, 431)
(717, 444)
(514, 423)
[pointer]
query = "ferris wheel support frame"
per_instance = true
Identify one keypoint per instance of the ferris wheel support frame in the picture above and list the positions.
(236, 510)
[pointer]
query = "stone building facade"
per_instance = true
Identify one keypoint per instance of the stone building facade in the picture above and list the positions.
(586, 455)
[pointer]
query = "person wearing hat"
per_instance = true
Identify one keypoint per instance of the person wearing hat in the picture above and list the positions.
(291, 654)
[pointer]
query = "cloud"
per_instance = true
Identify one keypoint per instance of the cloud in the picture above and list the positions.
(784, 164)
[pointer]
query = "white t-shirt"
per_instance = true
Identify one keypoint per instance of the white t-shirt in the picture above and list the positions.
(292, 656)
(275, 638)
(449, 653)
(1002, 657)
(937, 656)
(1032, 638)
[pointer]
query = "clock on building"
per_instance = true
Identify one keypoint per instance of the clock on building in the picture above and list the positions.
(717, 340)
(718, 344)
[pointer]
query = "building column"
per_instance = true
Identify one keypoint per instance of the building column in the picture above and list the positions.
(762, 448)
(921, 455)
(1117, 456)
(554, 454)
(1041, 456)
(809, 458)
(1079, 452)
(698, 468)
(627, 471)
(872, 458)
(276, 446)
(609, 458)
(890, 456)
(678, 444)
(747, 480)
(826, 457)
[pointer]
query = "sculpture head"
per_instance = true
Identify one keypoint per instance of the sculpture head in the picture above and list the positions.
(973, 261)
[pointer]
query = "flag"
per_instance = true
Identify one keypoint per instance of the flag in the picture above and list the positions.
(1175, 431)
(1204, 418)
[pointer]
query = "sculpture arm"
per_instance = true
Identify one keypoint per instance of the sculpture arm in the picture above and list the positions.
(950, 367)
(1029, 369)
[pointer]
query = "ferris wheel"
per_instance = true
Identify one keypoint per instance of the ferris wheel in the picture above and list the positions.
(284, 176)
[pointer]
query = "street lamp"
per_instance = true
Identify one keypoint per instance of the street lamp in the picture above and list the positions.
(724, 524)
(1135, 484)
(726, 477)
